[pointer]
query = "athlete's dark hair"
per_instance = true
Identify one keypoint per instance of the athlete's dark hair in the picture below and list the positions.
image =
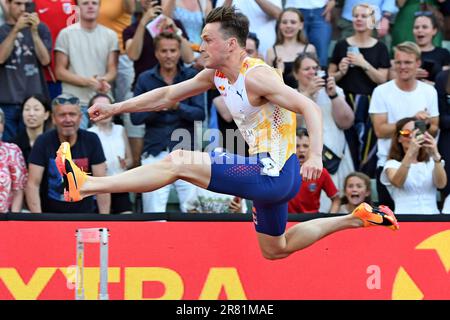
(232, 23)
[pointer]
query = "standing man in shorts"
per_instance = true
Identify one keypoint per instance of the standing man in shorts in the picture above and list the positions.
(264, 109)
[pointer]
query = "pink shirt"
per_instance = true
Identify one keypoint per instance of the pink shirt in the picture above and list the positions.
(13, 173)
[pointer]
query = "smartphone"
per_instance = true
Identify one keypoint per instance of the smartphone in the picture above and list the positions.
(421, 125)
(30, 7)
(323, 74)
(353, 49)
(428, 66)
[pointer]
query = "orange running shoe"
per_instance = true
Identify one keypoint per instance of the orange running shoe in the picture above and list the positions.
(380, 216)
(72, 175)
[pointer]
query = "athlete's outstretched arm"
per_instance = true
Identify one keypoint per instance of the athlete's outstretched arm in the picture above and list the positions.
(284, 96)
(157, 99)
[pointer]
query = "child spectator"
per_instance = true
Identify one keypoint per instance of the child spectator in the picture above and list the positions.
(307, 199)
(357, 190)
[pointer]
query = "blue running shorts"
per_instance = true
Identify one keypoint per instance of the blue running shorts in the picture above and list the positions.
(252, 178)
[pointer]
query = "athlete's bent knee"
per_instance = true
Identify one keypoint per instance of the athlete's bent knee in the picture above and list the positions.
(175, 160)
(274, 255)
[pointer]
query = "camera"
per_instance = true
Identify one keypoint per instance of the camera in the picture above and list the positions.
(421, 125)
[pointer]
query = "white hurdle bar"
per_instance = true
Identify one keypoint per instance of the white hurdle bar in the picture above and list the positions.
(92, 235)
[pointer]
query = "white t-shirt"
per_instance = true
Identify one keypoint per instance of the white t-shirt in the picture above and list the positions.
(418, 193)
(260, 23)
(113, 146)
(398, 104)
(306, 4)
(88, 53)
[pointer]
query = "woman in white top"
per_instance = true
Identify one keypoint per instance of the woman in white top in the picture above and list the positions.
(337, 115)
(414, 170)
(117, 151)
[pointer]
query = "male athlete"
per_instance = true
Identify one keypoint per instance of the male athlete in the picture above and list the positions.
(264, 110)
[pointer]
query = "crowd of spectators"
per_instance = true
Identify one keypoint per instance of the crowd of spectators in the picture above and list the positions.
(378, 69)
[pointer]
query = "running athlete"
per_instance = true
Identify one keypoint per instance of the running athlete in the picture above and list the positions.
(264, 109)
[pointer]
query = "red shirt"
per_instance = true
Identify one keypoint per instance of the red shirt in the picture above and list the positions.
(307, 199)
(56, 14)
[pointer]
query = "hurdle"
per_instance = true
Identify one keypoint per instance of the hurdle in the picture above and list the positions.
(92, 235)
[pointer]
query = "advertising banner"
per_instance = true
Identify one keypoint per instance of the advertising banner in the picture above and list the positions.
(222, 260)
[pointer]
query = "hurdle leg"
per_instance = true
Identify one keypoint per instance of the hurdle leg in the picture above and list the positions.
(79, 279)
(103, 295)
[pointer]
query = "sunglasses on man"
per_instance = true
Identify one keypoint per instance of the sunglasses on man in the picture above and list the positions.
(63, 101)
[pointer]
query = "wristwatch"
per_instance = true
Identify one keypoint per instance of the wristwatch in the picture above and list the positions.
(333, 96)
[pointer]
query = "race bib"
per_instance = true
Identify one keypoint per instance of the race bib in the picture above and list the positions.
(269, 167)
